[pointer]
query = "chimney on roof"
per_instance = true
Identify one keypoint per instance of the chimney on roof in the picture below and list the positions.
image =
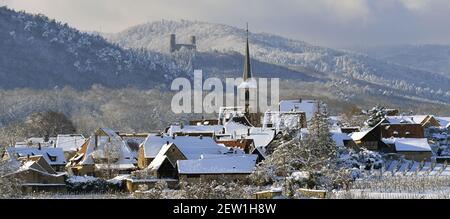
(301, 100)
(39, 146)
(201, 137)
(167, 142)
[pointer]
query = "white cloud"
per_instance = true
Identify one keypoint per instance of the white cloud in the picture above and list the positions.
(415, 5)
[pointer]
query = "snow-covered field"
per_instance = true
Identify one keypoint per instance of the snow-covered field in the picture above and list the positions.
(398, 187)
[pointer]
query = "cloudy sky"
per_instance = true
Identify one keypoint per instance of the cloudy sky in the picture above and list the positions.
(335, 23)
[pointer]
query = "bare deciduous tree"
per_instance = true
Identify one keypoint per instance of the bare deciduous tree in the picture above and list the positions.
(9, 185)
(48, 123)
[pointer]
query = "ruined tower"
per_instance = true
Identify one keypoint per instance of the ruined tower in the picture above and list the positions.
(174, 46)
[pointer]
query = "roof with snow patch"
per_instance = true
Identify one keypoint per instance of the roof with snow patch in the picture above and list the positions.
(307, 106)
(444, 121)
(192, 147)
(53, 156)
(70, 142)
(409, 144)
(226, 164)
(195, 129)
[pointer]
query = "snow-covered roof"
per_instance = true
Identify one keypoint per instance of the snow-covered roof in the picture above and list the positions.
(192, 147)
(118, 166)
(35, 141)
(70, 142)
(157, 162)
(307, 106)
(356, 136)
(282, 120)
(35, 167)
(126, 156)
(339, 138)
(160, 157)
(108, 131)
(261, 136)
(409, 144)
(444, 121)
(227, 164)
(195, 129)
(53, 156)
(401, 120)
(419, 118)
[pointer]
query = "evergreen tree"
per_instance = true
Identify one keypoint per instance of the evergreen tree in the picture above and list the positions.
(376, 114)
(318, 148)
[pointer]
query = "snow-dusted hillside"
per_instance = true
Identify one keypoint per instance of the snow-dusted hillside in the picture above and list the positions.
(435, 58)
(350, 67)
(37, 52)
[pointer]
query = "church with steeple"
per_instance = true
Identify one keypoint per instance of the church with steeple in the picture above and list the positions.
(248, 89)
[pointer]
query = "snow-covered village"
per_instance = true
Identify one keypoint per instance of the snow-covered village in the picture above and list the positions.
(94, 116)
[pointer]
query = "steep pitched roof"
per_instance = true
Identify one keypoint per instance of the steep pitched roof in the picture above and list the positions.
(247, 73)
(39, 163)
(126, 156)
(162, 156)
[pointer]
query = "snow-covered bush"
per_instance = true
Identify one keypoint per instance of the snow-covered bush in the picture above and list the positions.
(214, 190)
(157, 192)
(90, 184)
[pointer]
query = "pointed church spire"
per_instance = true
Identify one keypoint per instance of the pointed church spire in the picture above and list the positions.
(247, 70)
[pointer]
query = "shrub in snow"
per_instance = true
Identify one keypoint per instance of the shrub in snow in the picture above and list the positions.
(90, 184)
(157, 192)
(214, 190)
(361, 159)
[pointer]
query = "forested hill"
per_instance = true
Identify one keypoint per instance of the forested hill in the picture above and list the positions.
(38, 52)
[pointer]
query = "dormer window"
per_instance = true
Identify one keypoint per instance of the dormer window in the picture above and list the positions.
(52, 158)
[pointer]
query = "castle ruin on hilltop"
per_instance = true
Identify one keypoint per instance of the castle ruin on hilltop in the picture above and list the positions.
(173, 46)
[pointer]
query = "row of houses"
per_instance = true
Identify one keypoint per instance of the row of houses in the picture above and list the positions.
(227, 148)
(407, 136)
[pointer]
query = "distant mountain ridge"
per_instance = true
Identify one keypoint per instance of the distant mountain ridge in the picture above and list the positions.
(38, 52)
(428, 57)
(334, 65)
